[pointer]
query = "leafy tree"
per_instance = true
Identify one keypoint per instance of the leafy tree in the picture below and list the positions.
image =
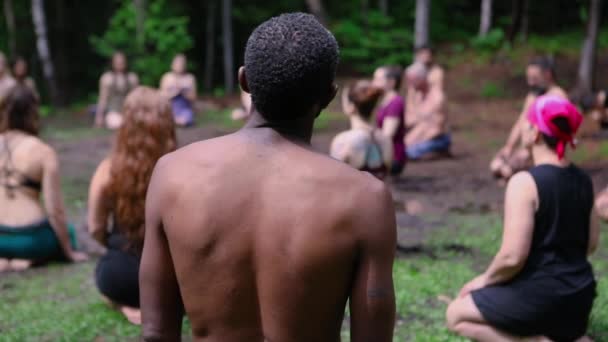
(382, 42)
(165, 34)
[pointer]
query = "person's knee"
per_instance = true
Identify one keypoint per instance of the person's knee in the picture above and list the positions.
(452, 315)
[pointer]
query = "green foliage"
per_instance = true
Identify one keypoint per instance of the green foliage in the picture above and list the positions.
(491, 90)
(491, 42)
(366, 43)
(165, 34)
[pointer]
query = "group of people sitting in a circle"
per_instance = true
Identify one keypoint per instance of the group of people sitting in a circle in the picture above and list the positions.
(265, 273)
(385, 124)
(177, 86)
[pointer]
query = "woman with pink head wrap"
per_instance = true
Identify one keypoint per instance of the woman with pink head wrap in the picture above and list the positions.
(540, 283)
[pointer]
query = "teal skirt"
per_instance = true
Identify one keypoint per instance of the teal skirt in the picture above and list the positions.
(32, 242)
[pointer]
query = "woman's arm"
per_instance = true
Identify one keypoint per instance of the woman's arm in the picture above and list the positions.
(53, 203)
(390, 127)
(98, 212)
(521, 202)
(102, 102)
(191, 92)
(594, 232)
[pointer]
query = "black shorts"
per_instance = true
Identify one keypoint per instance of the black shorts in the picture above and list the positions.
(117, 277)
(537, 307)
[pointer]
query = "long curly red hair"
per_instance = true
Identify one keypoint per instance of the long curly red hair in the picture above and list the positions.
(147, 133)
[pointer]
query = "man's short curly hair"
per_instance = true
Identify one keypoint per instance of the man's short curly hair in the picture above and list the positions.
(290, 63)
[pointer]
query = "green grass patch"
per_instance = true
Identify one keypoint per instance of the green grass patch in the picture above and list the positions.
(61, 303)
(491, 90)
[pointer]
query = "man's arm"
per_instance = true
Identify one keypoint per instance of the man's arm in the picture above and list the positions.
(515, 134)
(161, 304)
(372, 300)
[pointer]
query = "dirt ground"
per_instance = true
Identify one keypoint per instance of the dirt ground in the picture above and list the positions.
(459, 185)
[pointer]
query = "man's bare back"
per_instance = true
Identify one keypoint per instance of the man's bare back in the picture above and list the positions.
(263, 239)
(271, 253)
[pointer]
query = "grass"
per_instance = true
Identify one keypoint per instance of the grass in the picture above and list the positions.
(491, 90)
(60, 302)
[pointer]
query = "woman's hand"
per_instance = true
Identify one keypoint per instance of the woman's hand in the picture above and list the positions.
(477, 283)
(75, 256)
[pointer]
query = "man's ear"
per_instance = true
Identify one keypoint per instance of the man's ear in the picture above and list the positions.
(243, 80)
(330, 96)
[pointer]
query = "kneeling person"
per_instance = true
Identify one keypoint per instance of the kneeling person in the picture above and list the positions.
(363, 146)
(118, 192)
(428, 134)
(540, 282)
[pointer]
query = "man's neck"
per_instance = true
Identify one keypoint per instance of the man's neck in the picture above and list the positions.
(296, 130)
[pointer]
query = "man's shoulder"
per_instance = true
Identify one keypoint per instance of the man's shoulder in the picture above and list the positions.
(558, 91)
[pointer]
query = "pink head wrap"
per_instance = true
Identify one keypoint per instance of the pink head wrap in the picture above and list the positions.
(548, 107)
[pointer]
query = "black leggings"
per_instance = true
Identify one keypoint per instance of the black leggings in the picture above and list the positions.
(117, 277)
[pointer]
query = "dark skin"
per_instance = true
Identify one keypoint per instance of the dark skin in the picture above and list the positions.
(272, 252)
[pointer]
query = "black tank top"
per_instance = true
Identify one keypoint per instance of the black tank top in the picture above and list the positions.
(561, 226)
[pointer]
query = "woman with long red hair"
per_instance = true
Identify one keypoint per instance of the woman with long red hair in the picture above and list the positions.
(118, 191)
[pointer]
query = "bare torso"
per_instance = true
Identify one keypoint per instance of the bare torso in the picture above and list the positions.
(22, 156)
(263, 248)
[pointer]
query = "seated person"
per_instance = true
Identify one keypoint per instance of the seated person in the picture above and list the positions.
(118, 192)
(243, 112)
(428, 134)
(311, 233)
(30, 231)
(601, 204)
(114, 86)
(363, 147)
(540, 75)
(179, 87)
(7, 82)
(21, 74)
(540, 283)
(391, 114)
(424, 54)
(596, 104)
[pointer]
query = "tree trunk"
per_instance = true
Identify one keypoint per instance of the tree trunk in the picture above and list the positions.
(42, 44)
(486, 18)
(519, 8)
(516, 10)
(209, 45)
(364, 13)
(228, 45)
(140, 14)
(316, 8)
(9, 13)
(584, 84)
(383, 5)
(524, 21)
(61, 50)
(421, 26)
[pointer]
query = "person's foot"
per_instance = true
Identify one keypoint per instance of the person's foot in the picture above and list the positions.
(133, 315)
(4, 265)
(20, 264)
(536, 339)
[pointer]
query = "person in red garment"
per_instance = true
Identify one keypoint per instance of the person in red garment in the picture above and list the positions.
(257, 237)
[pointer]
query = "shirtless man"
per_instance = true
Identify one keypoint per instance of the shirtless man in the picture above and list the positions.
(596, 105)
(513, 157)
(424, 54)
(428, 133)
(7, 82)
(273, 251)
